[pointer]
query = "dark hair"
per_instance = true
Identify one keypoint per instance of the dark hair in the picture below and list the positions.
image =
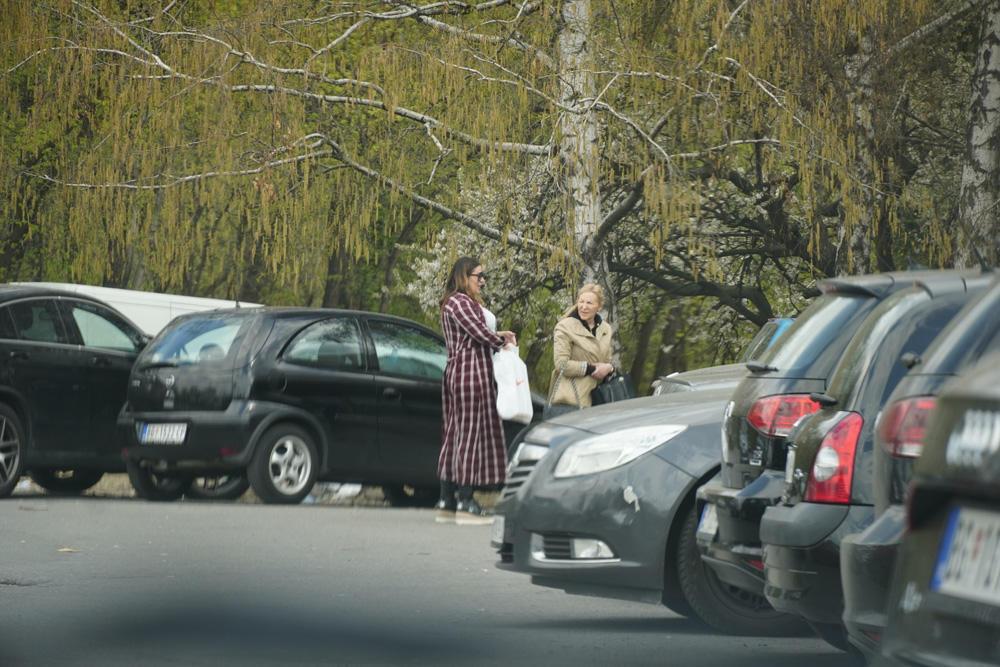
(459, 276)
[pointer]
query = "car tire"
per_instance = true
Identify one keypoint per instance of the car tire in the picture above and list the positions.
(65, 481)
(404, 495)
(155, 486)
(219, 487)
(284, 465)
(12, 444)
(725, 608)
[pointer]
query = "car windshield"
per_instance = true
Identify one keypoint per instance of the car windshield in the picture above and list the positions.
(813, 330)
(203, 339)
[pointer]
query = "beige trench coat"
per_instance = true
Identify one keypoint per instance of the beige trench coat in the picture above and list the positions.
(574, 347)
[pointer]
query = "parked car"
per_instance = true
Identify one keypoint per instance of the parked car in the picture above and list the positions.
(719, 376)
(290, 396)
(828, 469)
(610, 512)
(64, 365)
(944, 604)
(150, 311)
(768, 402)
(867, 558)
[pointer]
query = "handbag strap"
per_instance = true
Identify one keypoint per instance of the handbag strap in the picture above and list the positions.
(555, 385)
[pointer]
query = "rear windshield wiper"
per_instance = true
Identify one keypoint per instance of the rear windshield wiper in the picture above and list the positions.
(758, 367)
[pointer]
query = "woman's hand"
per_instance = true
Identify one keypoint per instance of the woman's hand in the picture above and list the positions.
(602, 371)
(509, 338)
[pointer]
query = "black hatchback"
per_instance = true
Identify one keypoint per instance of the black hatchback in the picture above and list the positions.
(65, 359)
(289, 395)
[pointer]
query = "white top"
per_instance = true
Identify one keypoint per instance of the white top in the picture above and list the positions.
(491, 319)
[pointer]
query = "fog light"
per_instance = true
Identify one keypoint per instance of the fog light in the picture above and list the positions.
(588, 548)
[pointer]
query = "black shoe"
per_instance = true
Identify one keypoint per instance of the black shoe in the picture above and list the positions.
(470, 513)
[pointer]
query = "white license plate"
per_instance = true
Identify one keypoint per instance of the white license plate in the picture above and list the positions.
(708, 525)
(162, 434)
(968, 564)
(496, 537)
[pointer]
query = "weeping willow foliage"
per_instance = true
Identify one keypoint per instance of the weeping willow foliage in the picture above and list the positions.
(167, 150)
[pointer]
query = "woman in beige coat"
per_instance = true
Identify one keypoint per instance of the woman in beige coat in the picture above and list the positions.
(582, 347)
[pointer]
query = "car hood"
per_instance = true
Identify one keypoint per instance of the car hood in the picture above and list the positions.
(692, 408)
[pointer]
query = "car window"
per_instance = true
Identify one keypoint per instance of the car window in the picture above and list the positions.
(814, 330)
(334, 344)
(405, 350)
(203, 339)
(101, 328)
(7, 325)
(972, 335)
(38, 320)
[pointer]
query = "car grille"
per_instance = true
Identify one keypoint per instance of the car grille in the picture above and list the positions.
(516, 476)
(557, 547)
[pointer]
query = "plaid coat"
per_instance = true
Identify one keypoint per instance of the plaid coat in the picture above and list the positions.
(472, 444)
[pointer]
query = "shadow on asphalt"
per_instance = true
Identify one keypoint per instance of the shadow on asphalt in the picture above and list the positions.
(679, 625)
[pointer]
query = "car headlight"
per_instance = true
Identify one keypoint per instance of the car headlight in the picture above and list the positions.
(610, 450)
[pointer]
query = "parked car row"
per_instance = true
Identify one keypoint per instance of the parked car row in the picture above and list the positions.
(771, 527)
(218, 401)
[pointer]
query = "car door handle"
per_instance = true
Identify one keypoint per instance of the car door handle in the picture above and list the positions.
(391, 393)
(100, 361)
(18, 354)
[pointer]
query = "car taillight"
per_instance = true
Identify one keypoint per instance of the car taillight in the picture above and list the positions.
(833, 471)
(775, 415)
(903, 426)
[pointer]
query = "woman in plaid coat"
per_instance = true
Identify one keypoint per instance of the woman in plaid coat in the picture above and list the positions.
(473, 453)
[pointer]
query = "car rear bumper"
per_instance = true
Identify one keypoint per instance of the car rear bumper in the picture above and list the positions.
(218, 440)
(802, 557)
(866, 566)
(629, 509)
(735, 553)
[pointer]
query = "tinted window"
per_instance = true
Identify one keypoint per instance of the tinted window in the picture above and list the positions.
(821, 323)
(100, 328)
(38, 320)
(404, 350)
(333, 344)
(973, 334)
(198, 340)
(6, 324)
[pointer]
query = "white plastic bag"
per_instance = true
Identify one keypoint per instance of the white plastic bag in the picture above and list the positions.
(513, 392)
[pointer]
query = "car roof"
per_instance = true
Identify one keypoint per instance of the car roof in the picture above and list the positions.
(303, 312)
(880, 284)
(12, 292)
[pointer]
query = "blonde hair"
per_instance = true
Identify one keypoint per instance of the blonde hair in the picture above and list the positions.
(592, 288)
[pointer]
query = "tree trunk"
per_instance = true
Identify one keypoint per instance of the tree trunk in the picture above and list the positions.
(980, 190)
(854, 243)
(579, 134)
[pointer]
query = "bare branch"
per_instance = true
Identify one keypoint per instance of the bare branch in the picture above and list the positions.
(926, 30)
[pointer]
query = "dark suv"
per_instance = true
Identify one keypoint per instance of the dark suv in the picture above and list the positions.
(828, 470)
(867, 558)
(944, 604)
(64, 365)
(290, 395)
(766, 405)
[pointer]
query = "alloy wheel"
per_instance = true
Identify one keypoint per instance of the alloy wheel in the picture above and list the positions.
(290, 465)
(10, 450)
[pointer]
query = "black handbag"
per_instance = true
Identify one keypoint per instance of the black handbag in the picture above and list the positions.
(617, 387)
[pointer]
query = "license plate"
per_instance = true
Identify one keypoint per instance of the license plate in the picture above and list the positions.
(496, 537)
(708, 525)
(162, 434)
(968, 563)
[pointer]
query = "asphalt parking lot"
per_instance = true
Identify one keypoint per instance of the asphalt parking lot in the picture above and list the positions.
(106, 581)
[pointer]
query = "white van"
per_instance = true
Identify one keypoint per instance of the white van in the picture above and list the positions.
(150, 311)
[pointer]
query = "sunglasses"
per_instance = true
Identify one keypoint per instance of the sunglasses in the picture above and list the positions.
(481, 276)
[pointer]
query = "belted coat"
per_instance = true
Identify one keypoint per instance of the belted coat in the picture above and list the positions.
(473, 452)
(574, 346)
